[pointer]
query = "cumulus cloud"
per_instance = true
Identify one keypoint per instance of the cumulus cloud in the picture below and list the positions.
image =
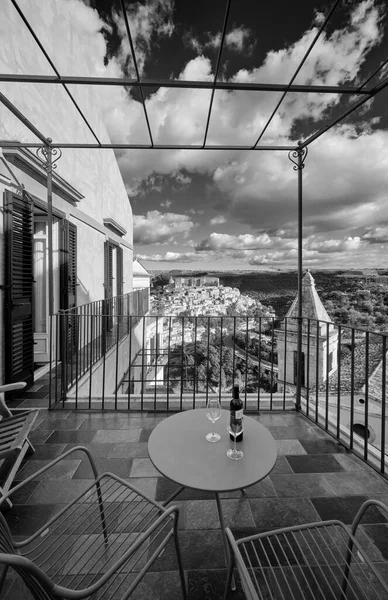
(238, 39)
(218, 220)
(157, 227)
(169, 257)
(220, 241)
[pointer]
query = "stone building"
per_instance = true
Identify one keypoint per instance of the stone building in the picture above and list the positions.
(319, 341)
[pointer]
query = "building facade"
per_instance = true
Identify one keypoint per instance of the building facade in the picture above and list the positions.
(92, 249)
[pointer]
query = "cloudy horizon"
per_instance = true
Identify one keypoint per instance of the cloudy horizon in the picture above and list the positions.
(225, 210)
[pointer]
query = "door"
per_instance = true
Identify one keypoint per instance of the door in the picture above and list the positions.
(18, 308)
(41, 287)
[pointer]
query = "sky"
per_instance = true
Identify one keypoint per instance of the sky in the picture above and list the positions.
(234, 210)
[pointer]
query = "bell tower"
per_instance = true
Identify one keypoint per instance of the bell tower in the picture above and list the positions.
(319, 340)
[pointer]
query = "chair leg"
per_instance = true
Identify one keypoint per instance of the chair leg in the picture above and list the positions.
(102, 513)
(229, 577)
(179, 559)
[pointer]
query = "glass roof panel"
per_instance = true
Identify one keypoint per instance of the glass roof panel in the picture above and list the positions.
(115, 113)
(49, 108)
(178, 116)
(238, 117)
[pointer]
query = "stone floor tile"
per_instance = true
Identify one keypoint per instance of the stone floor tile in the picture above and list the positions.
(289, 447)
(262, 489)
(210, 585)
(301, 485)
(271, 513)
(114, 436)
(203, 514)
(379, 535)
(39, 437)
(65, 437)
(200, 549)
(70, 423)
(294, 433)
(97, 450)
(381, 497)
(21, 496)
(281, 466)
(155, 586)
(344, 508)
(325, 446)
(25, 520)
(314, 463)
(129, 450)
(108, 421)
(47, 451)
(146, 485)
(58, 491)
(119, 466)
(362, 482)
(269, 419)
(350, 462)
(64, 469)
(143, 467)
(166, 487)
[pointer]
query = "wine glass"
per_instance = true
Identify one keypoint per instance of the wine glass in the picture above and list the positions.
(234, 429)
(213, 412)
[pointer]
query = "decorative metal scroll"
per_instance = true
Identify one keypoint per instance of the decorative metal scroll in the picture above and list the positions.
(298, 157)
(43, 154)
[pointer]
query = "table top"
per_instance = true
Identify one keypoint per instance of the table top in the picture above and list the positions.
(179, 450)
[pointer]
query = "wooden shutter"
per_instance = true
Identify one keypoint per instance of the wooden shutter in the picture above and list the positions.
(69, 283)
(120, 269)
(108, 269)
(18, 309)
(69, 266)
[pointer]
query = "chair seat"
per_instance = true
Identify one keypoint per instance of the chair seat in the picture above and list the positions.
(309, 563)
(73, 550)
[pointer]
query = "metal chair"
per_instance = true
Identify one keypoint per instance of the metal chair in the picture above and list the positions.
(101, 544)
(15, 426)
(316, 561)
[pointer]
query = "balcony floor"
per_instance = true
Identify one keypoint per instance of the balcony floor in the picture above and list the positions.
(314, 479)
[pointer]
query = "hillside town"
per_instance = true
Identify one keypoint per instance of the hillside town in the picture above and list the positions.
(204, 296)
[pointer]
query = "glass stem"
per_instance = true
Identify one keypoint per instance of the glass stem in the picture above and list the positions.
(235, 438)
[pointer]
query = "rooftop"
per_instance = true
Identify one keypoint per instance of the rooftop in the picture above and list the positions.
(314, 479)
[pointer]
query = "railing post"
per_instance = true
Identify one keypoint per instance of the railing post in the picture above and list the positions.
(298, 157)
(63, 351)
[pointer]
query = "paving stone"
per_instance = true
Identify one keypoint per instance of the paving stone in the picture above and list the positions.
(289, 447)
(129, 450)
(114, 436)
(344, 508)
(119, 466)
(301, 485)
(64, 469)
(203, 514)
(379, 536)
(314, 463)
(58, 491)
(65, 437)
(210, 585)
(281, 466)
(326, 446)
(271, 513)
(360, 483)
(199, 549)
(143, 467)
(47, 451)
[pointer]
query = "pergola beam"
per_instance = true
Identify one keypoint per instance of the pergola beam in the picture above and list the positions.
(183, 84)
(19, 115)
(16, 144)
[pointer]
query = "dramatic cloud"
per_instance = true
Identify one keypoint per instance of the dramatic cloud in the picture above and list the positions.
(238, 40)
(218, 220)
(169, 257)
(156, 227)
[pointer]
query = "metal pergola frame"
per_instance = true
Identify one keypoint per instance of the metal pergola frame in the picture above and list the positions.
(47, 148)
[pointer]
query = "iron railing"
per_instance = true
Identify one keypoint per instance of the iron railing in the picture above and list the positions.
(125, 361)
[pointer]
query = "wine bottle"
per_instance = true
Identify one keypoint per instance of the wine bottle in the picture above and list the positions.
(236, 411)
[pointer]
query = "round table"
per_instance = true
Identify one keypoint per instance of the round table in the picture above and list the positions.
(179, 450)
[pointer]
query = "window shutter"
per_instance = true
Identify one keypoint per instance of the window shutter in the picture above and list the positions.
(18, 313)
(108, 269)
(120, 268)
